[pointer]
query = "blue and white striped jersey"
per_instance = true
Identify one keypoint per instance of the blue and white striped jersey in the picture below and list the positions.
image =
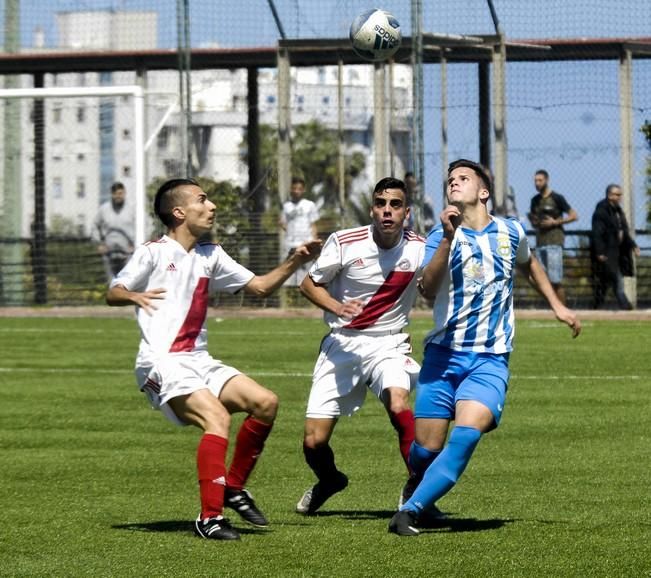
(473, 311)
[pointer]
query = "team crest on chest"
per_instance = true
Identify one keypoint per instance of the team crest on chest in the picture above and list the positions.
(503, 245)
(404, 265)
(474, 275)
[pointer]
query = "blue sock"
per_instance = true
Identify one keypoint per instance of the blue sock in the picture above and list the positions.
(442, 474)
(420, 458)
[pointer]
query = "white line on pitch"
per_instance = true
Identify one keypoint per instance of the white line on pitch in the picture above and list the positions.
(216, 333)
(130, 371)
(305, 374)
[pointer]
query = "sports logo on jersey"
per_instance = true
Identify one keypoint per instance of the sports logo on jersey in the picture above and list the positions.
(474, 275)
(358, 263)
(503, 245)
(404, 265)
(171, 267)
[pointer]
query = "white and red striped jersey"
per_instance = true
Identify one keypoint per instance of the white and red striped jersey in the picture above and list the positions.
(178, 323)
(354, 267)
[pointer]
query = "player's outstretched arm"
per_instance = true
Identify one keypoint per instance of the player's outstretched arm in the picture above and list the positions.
(119, 295)
(265, 285)
(539, 281)
(320, 296)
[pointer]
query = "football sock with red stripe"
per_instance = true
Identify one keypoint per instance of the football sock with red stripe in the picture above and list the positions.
(211, 468)
(403, 423)
(322, 461)
(248, 447)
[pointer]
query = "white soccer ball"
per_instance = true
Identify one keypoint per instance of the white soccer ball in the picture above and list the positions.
(375, 35)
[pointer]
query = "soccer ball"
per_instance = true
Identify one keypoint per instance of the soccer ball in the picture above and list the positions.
(375, 35)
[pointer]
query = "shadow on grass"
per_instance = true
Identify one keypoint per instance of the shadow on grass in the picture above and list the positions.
(355, 514)
(465, 525)
(450, 524)
(181, 526)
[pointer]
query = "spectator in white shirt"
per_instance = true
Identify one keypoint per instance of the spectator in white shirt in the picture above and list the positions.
(298, 220)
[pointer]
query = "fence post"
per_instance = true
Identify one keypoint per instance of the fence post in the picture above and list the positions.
(500, 175)
(284, 144)
(626, 136)
(380, 125)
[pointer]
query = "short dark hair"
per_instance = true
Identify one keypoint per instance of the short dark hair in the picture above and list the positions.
(298, 181)
(543, 172)
(610, 187)
(480, 171)
(166, 199)
(116, 186)
(391, 183)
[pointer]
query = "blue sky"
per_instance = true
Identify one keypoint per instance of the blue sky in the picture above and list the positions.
(563, 118)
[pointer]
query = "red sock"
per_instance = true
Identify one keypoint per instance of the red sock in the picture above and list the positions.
(403, 422)
(211, 467)
(248, 447)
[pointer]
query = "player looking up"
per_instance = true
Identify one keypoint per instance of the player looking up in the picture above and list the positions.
(365, 281)
(169, 281)
(470, 263)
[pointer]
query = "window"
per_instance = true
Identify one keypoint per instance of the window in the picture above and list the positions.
(56, 113)
(325, 100)
(162, 140)
(126, 171)
(81, 156)
(57, 188)
(271, 99)
(81, 225)
(126, 134)
(81, 113)
(57, 150)
(173, 167)
(81, 187)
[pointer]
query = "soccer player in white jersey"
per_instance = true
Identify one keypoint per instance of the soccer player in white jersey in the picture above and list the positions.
(470, 263)
(169, 281)
(365, 281)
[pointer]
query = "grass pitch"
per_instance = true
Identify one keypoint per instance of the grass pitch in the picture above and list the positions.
(97, 484)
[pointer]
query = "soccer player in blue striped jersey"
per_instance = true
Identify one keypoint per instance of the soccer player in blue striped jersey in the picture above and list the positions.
(469, 267)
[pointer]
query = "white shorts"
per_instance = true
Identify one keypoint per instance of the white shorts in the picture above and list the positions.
(350, 362)
(181, 374)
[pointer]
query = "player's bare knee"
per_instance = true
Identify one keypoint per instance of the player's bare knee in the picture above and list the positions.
(313, 440)
(396, 400)
(266, 407)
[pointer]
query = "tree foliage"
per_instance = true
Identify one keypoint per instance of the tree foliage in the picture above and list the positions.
(315, 151)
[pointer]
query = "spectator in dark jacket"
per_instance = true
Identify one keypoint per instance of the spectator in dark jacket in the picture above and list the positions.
(612, 249)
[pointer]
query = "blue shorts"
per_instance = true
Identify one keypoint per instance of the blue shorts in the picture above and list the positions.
(551, 258)
(448, 376)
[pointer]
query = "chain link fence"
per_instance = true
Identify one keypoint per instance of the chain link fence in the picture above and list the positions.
(62, 155)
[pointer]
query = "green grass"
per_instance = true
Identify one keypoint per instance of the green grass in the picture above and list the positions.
(94, 483)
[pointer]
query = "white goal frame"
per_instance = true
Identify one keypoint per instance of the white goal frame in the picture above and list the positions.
(138, 94)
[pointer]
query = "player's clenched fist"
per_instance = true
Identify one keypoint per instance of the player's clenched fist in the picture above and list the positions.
(450, 217)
